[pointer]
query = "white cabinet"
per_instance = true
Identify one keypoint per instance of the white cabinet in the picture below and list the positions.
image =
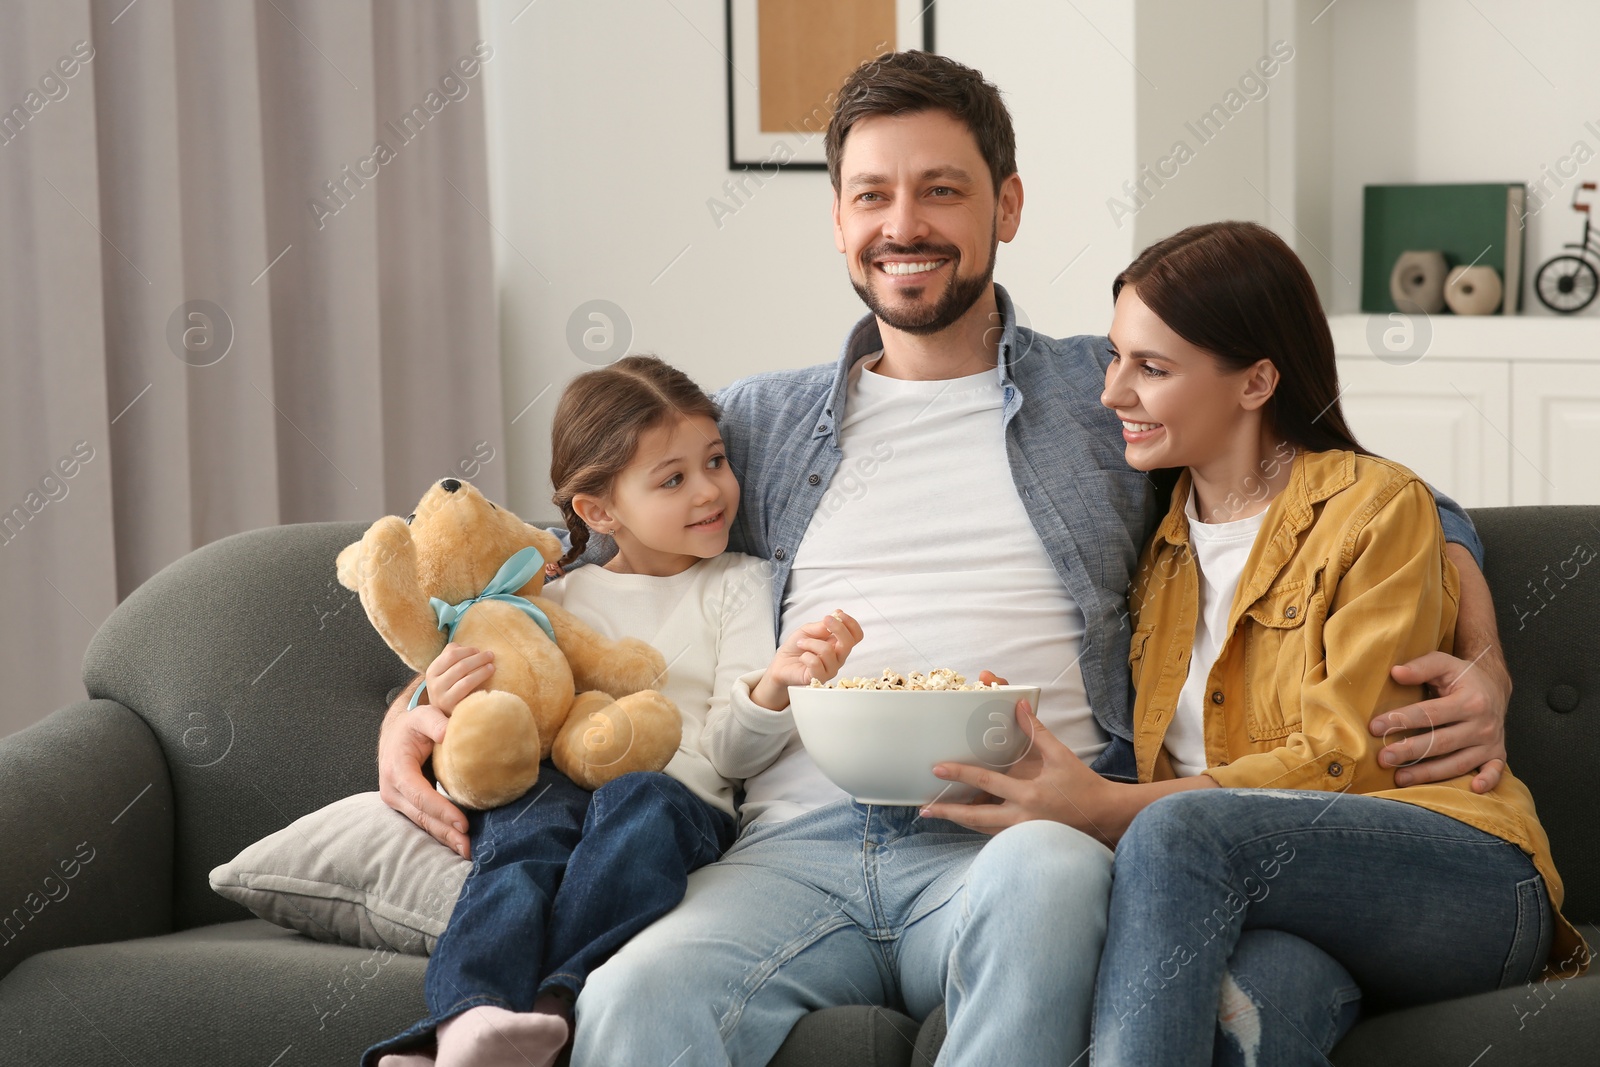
(1494, 411)
(1445, 419)
(1556, 433)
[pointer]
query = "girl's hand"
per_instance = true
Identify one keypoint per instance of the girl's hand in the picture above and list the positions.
(1048, 782)
(815, 650)
(455, 672)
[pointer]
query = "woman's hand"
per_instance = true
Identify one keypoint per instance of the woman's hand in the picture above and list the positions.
(1048, 782)
(815, 650)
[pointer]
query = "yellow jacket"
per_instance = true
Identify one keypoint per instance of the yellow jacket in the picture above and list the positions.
(1347, 577)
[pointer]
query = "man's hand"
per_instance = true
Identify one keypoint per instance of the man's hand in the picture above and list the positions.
(404, 744)
(1464, 722)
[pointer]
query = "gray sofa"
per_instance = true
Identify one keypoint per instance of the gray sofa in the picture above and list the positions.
(241, 688)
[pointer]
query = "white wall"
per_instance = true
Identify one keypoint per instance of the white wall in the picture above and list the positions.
(1440, 91)
(608, 136)
(1191, 57)
(1233, 121)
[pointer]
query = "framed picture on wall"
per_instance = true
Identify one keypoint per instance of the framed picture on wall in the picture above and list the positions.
(786, 61)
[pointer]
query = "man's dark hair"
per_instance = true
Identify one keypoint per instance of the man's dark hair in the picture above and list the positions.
(907, 82)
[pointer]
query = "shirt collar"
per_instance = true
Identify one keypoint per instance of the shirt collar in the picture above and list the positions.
(1314, 477)
(865, 338)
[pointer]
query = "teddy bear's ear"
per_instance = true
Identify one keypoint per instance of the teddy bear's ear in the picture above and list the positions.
(349, 567)
(549, 547)
(547, 543)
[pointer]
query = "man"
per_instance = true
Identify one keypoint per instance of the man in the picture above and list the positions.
(955, 481)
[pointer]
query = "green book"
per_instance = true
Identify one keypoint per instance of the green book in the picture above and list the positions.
(1468, 223)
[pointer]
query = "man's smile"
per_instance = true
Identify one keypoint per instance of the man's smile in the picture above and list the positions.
(892, 266)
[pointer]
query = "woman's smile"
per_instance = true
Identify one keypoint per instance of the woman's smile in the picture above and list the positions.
(1136, 432)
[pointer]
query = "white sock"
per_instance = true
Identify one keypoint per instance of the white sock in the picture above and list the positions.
(489, 1036)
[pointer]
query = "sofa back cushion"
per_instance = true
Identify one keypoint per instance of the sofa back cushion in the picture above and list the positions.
(1543, 567)
(263, 682)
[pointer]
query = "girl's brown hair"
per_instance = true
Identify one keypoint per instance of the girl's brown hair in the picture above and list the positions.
(1237, 291)
(599, 422)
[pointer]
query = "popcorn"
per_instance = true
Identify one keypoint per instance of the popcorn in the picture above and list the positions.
(943, 678)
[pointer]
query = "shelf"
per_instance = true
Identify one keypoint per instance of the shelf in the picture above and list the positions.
(1513, 338)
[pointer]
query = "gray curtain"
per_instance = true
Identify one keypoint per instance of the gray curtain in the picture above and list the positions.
(245, 279)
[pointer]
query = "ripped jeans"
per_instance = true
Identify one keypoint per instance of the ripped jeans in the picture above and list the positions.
(1252, 926)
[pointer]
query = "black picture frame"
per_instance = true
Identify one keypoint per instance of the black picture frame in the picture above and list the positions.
(770, 165)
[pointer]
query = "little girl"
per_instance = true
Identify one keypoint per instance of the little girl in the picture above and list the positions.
(561, 877)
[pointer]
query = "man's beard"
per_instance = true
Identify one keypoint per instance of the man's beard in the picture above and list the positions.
(958, 297)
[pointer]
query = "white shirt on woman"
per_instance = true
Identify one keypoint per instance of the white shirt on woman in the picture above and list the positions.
(1221, 549)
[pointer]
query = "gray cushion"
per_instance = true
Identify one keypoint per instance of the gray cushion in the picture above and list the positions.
(1552, 642)
(238, 993)
(931, 1036)
(1555, 1025)
(263, 683)
(356, 872)
(855, 1036)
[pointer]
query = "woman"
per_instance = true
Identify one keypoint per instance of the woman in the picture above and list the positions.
(1291, 570)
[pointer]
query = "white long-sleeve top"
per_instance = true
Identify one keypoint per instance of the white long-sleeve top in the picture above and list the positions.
(713, 623)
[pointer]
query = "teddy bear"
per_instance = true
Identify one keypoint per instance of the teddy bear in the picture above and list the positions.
(463, 569)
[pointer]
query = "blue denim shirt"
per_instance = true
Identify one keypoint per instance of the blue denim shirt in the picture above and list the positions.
(1092, 512)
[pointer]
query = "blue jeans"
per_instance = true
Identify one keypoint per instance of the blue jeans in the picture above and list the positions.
(1252, 925)
(857, 904)
(560, 879)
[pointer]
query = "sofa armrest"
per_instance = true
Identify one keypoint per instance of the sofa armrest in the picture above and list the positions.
(86, 822)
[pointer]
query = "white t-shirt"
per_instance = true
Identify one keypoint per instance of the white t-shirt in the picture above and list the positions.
(712, 623)
(922, 537)
(1221, 550)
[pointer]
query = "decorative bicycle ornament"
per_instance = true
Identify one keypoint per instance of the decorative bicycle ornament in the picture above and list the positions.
(1567, 283)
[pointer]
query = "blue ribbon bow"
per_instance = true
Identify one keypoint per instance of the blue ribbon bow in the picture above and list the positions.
(515, 573)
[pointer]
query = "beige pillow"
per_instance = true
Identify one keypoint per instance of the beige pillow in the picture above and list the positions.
(357, 872)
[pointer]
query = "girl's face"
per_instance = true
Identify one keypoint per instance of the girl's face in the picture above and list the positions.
(673, 503)
(1179, 405)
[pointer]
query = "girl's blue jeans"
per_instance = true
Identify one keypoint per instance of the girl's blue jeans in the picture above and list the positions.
(561, 878)
(1251, 926)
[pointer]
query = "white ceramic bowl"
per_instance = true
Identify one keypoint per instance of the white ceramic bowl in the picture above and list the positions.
(880, 745)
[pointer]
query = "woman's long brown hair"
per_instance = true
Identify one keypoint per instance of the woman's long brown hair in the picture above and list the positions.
(1236, 290)
(599, 422)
